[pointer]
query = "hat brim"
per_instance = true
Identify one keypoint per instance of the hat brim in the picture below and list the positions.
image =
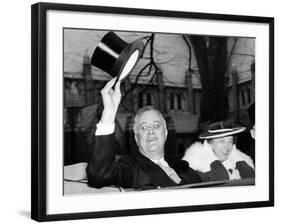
(233, 131)
(121, 61)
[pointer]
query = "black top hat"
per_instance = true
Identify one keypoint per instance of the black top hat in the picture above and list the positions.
(115, 56)
(221, 129)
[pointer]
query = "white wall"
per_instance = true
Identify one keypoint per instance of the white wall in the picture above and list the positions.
(15, 110)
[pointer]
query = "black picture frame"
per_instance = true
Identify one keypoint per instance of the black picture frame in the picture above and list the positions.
(40, 121)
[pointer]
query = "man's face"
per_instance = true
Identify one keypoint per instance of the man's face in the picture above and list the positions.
(222, 147)
(151, 135)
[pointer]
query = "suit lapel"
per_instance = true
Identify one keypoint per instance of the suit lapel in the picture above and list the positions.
(156, 174)
(180, 166)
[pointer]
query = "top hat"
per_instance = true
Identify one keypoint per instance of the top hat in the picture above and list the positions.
(115, 56)
(221, 129)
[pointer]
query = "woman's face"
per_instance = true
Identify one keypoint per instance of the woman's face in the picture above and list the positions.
(222, 147)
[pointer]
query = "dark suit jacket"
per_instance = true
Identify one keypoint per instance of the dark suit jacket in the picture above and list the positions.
(134, 171)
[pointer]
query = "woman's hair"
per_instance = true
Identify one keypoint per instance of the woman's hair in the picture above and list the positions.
(144, 109)
(234, 139)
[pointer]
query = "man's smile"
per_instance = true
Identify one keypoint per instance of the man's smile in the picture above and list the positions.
(149, 140)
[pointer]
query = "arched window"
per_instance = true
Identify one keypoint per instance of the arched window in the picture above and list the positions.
(249, 94)
(244, 96)
(140, 100)
(67, 83)
(172, 103)
(148, 98)
(179, 101)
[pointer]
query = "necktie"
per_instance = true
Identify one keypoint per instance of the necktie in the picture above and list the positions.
(169, 171)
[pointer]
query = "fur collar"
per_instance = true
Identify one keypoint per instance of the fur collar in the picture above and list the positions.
(200, 156)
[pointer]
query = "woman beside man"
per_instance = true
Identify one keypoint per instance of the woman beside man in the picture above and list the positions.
(217, 158)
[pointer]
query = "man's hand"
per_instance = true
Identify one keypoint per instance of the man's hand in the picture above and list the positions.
(111, 99)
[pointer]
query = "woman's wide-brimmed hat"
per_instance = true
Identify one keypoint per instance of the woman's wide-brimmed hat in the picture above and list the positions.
(221, 129)
(115, 56)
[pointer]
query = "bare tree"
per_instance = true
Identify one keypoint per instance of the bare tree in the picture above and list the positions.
(211, 56)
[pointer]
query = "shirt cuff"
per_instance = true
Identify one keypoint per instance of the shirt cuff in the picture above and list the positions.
(104, 129)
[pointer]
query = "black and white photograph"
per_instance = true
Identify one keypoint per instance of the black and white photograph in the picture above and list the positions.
(181, 115)
(141, 112)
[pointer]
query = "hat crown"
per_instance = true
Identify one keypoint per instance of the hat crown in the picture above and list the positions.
(222, 125)
(221, 129)
(107, 51)
(112, 54)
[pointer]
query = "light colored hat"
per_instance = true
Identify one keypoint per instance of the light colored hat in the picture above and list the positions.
(221, 129)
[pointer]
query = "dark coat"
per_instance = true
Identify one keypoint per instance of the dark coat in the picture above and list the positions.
(202, 159)
(134, 171)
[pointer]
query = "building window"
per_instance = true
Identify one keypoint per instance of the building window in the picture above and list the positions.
(243, 97)
(140, 100)
(67, 83)
(148, 98)
(172, 103)
(179, 101)
(249, 94)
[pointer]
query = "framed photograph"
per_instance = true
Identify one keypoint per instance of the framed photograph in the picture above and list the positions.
(210, 78)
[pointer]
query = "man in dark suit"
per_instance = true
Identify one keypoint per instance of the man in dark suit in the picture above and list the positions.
(148, 167)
